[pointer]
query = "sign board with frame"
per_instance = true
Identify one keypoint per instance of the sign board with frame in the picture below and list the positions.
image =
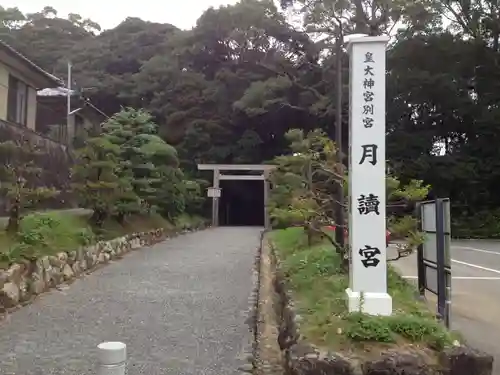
(434, 258)
(213, 192)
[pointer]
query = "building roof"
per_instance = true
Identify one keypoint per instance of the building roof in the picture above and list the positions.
(55, 91)
(62, 92)
(8, 49)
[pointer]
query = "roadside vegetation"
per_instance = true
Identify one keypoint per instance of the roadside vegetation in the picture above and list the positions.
(315, 276)
(305, 185)
(229, 88)
(315, 267)
(125, 178)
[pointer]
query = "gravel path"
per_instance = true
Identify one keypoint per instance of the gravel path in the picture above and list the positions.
(179, 306)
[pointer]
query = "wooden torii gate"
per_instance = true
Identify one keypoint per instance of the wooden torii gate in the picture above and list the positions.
(215, 191)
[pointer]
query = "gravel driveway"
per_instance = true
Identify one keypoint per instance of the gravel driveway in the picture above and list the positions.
(179, 306)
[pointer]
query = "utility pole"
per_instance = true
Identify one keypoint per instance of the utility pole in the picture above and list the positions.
(68, 98)
(340, 221)
(68, 92)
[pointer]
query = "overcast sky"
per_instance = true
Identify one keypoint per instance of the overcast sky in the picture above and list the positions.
(109, 13)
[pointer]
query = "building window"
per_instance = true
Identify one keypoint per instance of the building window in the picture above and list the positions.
(17, 108)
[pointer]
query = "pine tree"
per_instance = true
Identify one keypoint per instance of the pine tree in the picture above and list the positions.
(304, 185)
(146, 159)
(96, 178)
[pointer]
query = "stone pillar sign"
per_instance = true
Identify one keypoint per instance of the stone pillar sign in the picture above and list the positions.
(367, 290)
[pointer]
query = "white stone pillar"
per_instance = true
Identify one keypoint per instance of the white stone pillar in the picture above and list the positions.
(112, 358)
(367, 290)
(267, 224)
(215, 199)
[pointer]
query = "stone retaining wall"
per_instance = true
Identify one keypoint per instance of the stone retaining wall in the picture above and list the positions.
(25, 280)
(247, 359)
(268, 358)
(298, 357)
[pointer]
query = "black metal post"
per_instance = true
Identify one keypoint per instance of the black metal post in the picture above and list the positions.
(420, 256)
(440, 249)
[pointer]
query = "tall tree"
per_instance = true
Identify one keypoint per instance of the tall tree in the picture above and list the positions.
(144, 158)
(372, 17)
(20, 179)
(96, 179)
(230, 88)
(53, 37)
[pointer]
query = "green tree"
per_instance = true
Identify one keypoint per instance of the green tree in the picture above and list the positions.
(54, 37)
(194, 191)
(172, 194)
(146, 160)
(11, 18)
(96, 178)
(303, 191)
(371, 17)
(230, 88)
(20, 177)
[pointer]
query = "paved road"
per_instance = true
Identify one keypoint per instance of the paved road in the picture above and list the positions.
(475, 292)
(179, 306)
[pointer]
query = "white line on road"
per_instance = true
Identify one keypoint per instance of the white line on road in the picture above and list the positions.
(460, 278)
(393, 245)
(472, 265)
(477, 250)
(476, 266)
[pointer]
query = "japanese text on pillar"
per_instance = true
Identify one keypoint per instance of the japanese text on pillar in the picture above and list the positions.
(368, 204)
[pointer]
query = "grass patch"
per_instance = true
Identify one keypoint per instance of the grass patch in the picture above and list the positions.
(112, 229)
(51, 232)
(315, 278)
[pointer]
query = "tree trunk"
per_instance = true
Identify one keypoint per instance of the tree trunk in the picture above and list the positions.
(308, 234)
(13, 225)
(98, 218)
(120, 218)
(14, 219)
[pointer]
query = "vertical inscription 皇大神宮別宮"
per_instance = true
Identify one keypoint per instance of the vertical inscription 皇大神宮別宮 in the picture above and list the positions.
(369, 203)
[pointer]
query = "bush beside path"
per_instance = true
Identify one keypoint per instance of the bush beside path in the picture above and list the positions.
(318, 335)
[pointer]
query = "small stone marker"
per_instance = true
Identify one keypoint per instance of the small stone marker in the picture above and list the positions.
(112, 357)
(367, 290)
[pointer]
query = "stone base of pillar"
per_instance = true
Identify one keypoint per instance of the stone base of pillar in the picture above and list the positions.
(369, 303)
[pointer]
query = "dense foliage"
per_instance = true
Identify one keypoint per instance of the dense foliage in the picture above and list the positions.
(124, 179)
(304, 185)
(313, 276)
(20, 177)
(128, 170)
(230, 88)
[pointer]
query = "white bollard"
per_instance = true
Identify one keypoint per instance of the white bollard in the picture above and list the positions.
(112, 358)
